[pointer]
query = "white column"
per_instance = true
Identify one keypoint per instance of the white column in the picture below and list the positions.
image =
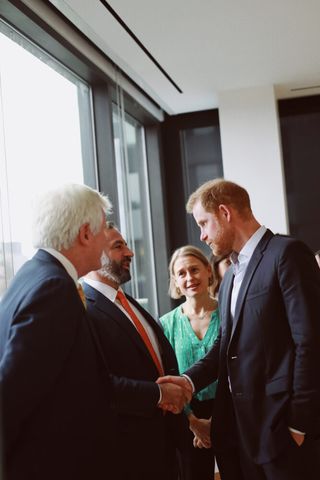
(251, 151)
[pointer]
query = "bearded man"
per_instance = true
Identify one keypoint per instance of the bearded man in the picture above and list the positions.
(266, 422)
(137, 352)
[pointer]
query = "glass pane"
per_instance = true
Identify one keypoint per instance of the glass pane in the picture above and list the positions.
(40, 141)
(135, 223)
(202, 161)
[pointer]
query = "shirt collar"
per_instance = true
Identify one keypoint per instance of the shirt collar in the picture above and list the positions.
(249, 247)
(106, 290)
(70, 268)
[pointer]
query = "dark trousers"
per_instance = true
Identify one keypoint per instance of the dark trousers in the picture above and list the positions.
(198, 463)
(295, 463)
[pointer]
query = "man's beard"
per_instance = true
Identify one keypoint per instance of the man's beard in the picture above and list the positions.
(114, 270)
(223, 242)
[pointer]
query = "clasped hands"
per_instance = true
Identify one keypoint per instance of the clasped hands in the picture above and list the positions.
(176, 393)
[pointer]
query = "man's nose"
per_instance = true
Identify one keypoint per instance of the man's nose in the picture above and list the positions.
(203, 236)
(129, 253)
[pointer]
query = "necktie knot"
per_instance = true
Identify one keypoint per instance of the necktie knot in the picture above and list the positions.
(122, 298)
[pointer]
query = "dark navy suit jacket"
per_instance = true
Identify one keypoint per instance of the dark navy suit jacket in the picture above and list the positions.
(269, 351)
(146, 437)
(54, 384)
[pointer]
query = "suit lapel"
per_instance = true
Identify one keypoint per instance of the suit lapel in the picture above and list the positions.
(225, 304)
(107, 307)
(251, 268)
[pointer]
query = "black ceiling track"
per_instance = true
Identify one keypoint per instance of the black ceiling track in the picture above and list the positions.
(297, 89)
(138, 42)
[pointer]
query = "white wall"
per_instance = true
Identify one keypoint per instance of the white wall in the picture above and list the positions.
(251, 151)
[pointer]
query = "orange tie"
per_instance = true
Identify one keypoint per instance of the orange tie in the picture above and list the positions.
(124, 302)
(82, 295)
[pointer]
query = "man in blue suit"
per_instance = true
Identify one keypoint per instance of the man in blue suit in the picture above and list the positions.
(53, 380)
(146, 439)
(267, 409)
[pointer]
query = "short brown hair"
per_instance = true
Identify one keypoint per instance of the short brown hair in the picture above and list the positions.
(186, 251)
(219, 191)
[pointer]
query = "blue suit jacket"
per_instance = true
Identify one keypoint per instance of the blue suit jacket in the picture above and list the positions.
(147, 438)
(55, 387)
(269, 352)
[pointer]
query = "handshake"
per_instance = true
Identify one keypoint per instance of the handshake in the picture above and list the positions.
(176, 392)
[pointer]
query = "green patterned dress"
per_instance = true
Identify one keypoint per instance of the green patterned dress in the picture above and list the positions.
(187, 346)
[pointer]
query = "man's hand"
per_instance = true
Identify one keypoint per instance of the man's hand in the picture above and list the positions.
(173, 398)
(182, 382)
(197, 443)
(200, 427)
(180, 386)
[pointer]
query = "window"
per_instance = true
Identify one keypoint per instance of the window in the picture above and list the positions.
(43, 109)
(192, 156)
(201, 155)
(134, 206)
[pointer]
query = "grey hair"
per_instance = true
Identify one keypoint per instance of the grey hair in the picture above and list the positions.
(61, 212)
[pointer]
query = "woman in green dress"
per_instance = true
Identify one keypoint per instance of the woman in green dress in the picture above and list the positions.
(192, 328)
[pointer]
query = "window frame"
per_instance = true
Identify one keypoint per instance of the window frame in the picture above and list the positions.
(20, 17)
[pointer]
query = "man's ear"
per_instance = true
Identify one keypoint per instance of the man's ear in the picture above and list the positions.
(84, 233)
(225, 212)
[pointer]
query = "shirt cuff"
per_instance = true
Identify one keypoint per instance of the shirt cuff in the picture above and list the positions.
(189, 380)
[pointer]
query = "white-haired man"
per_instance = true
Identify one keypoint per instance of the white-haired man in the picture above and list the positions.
(54, 383)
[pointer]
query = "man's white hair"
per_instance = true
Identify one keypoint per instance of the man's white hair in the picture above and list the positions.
(61, 212)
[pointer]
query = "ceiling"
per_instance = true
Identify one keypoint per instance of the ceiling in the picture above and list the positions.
(207, 46)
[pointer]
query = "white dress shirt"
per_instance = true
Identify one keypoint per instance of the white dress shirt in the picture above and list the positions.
(240, 263)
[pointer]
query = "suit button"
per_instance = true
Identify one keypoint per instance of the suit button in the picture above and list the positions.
(234, 357)
(238, 394)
